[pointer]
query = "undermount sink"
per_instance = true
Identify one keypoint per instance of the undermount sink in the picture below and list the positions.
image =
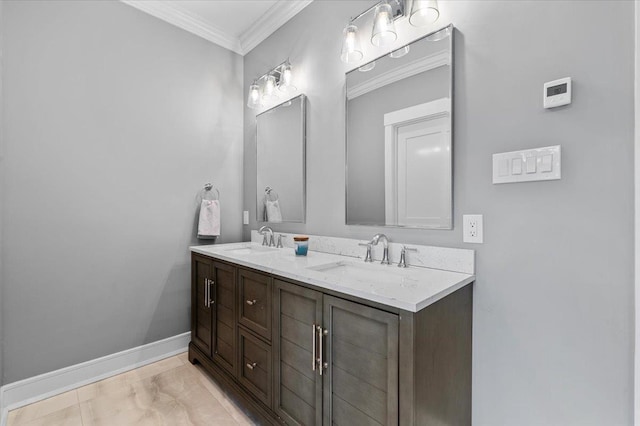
(253, 249)
(367, 272)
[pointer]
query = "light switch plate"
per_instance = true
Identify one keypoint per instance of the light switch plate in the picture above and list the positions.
(245, 217)
(527, 165)
(472, 228)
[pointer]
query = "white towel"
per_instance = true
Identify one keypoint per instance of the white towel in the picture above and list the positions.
(209, 222)
(273, 211)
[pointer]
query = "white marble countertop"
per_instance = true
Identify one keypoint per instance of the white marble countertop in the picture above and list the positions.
(410, 289)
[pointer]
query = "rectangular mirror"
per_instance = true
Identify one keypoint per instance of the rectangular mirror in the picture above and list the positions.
(398, 142)
(280, 144)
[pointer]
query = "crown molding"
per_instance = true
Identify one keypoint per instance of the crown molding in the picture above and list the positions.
(172, 14)
(267, 24)
(263, 27)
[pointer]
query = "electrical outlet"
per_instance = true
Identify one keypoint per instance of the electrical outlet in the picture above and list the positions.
(245, 217)
(472, 228)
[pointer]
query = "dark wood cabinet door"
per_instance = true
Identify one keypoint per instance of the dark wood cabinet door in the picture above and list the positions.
(201, 309)
(361, 379)
(223, 290)
(297, 383)
(254, 302)
(256, 365)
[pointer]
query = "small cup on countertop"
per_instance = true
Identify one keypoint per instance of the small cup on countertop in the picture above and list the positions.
(301, 245)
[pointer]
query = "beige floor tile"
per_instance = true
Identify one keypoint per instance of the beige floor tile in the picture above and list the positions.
(171, 392)
(232, 407)
(184, 357)
(69, 416)
(103, 387)
(42, 408)
(121, 382)
(154, 369)
(175, 397)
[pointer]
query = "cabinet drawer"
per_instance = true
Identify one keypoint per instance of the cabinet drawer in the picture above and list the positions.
(254, 304)
(255, 366)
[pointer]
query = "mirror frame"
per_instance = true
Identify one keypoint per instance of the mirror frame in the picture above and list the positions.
(451, 29)
(303, 113)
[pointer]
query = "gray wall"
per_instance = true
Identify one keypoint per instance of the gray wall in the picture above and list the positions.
(114, 121)
(553, 301)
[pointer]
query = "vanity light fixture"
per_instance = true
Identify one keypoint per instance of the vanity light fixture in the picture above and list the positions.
(383, 33)
(270, 84)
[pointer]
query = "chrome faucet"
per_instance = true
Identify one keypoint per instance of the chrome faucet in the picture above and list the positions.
(385, 242)
(263, 231)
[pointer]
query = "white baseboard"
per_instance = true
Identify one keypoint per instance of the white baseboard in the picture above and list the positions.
(33, 389)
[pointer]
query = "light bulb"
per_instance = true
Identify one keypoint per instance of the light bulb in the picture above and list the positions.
(424, 12)
(384, 29)
(351, 50)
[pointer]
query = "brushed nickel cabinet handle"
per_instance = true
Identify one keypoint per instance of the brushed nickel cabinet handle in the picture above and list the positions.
(206, 292)
(313, 346)
(252, 302)
(321, 363)
(252, 365)
(211, 283)
(319, 329)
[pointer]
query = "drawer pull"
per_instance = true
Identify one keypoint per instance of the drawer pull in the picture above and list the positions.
(211, 301)
(252, 302)
(313, 345)
(251, 366)
(206, 292)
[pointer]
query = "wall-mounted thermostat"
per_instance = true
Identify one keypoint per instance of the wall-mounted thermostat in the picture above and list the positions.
(557, 93)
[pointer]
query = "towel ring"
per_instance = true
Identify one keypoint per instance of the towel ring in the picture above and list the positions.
(270, 194)
(208, 193)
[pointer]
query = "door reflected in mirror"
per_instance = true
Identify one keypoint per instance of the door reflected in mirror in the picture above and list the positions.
(399, 145)
(280, 153)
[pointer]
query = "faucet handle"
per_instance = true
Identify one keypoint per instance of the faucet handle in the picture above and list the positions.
(403, 261)
(280, 241)
(367, 258)
(265, 241)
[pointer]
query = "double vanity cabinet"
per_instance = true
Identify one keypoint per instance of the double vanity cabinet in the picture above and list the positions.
(299, 354)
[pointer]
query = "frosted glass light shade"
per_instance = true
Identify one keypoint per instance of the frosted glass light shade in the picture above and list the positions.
(384, 29)
(424, 12)
(286, 79)
(351, 50)
(254, 96)
(268, 91)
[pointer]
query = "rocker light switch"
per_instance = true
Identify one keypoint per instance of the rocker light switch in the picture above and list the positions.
(516, 166)
(531, 164)
(546, 163)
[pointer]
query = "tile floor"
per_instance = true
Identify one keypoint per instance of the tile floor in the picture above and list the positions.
(170, 392)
